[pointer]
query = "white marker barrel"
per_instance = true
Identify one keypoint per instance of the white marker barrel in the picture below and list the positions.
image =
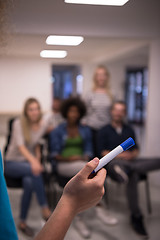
(107, 158)
(119, 149)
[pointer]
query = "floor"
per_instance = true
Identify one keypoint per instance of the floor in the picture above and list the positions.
(117, 207)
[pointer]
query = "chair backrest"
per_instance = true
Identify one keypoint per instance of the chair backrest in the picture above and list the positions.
(10, 128)
(11, 182)
(46, 157)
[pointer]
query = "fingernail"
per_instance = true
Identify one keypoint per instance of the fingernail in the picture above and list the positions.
(96, 160)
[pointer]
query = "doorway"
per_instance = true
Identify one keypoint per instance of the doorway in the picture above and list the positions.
(67, 81)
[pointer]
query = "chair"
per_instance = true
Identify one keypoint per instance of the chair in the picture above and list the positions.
(11, 182)
(54, 183)
(10, 126)
(144, 177)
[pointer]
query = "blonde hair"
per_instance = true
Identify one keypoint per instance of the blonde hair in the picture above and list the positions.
(107, 83)
(25, 119)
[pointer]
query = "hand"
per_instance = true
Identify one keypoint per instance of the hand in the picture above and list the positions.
(105, 152)
(83, 192)
(36, 167)
(85, 158)
(127, 155)
(75, 158)
(80, 193)
(50, 129)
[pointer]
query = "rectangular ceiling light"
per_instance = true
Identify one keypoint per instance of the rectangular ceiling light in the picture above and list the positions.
(64, 40)
(53, 54)
(99, 2)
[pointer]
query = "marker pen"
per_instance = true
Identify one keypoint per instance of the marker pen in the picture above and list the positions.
(119, 149)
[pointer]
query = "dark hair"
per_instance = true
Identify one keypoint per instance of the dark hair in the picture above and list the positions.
(57, 98)
(118, 102)
(70, 102)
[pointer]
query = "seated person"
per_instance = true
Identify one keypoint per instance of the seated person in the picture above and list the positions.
(125, 167)
(71, 147)
(71, 143)
(22, 159)
(54, 118)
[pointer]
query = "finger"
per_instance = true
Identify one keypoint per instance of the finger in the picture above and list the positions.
(89, 167)
(35, 173)
(100, 176)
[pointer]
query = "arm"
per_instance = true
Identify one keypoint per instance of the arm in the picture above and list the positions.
(28, 156)
(35, 164)
(49, 129)
(72, 158)
(59, 222)
(87, 144)
(48, 119)
(38, 152)
(60, 158)
(134, 152)
(55, 142)
(127, 155)
(20, 142)
(80, 193)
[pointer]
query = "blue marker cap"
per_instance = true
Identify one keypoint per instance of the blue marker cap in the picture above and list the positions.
(127, 144)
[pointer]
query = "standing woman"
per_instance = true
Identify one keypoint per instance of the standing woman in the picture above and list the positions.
(98, 102)
(23, 160)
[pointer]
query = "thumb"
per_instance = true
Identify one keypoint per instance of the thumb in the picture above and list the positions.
(89, 167)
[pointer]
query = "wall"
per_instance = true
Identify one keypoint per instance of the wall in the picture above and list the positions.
(21, 78)
(117, 71)
(87, 72)
(153, 119)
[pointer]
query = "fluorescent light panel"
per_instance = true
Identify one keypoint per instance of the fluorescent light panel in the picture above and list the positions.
(53, 54)
(99, 2)
(64, 40)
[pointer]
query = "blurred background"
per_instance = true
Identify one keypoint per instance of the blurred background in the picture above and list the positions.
(125, 39)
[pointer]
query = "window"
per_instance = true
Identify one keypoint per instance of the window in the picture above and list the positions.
(136, 94)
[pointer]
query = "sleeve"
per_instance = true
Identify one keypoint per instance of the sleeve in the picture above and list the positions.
(133, 135)
(7, 226)
(17, 133)
(55, 142)
(88, 148)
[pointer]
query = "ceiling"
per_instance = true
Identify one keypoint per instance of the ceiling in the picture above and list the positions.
(137, 18)
(109, 31)
(92, 50)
